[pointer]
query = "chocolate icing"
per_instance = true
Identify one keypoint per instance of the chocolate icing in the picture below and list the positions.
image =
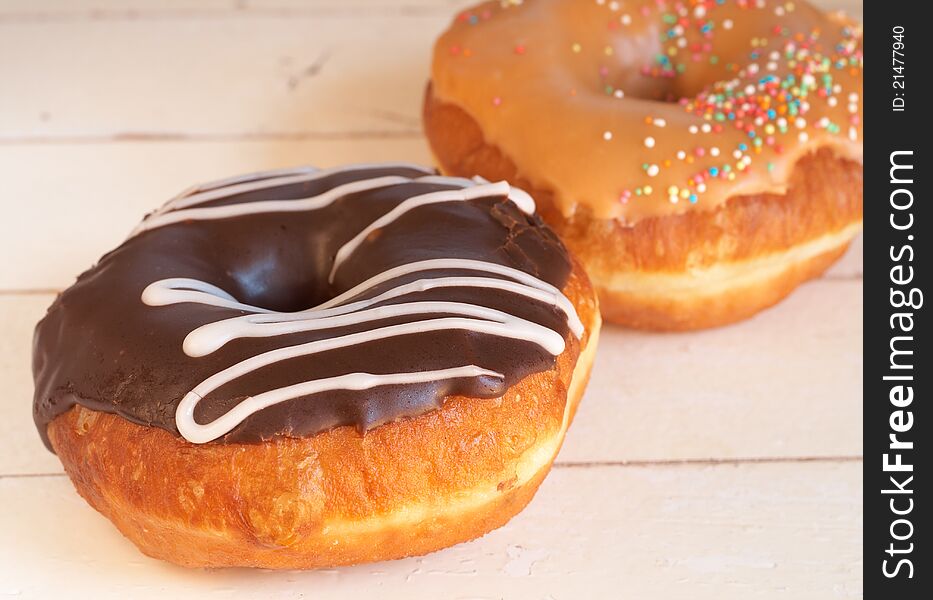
(100, 346)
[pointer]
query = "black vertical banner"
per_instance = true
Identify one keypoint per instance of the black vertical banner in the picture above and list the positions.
(898, 371)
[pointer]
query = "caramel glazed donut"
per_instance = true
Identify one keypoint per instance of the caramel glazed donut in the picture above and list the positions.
(197, 402)
(702, 158)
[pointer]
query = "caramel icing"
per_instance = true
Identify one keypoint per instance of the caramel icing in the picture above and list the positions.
(636, 109)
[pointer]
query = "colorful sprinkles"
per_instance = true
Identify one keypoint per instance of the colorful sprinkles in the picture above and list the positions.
(768, 98)
(754, 100)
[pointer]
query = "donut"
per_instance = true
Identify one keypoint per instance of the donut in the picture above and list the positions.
(306, 368)
(701, 158)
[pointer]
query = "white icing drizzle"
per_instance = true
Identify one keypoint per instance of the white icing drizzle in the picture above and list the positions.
(211, 337)
(179, 289)
(462, 195)
(460, 264)
(262, 180)
(342, 310)
(266, 206)
(246, 177)
(197, 433)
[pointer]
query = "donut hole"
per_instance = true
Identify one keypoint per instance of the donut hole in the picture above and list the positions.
(282, 284)
(628, 72)
(279, 275)
(283, 265)
(637, 86)
(632, 78)
(287, 268)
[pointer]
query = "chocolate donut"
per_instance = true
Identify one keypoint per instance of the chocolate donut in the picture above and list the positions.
(306, 367)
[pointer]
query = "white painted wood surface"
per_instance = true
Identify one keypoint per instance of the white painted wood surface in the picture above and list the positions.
(720, 464)
(672, 532)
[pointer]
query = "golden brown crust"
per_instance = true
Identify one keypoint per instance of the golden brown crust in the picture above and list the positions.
(684, 312)
(823, 199)
(405, 488)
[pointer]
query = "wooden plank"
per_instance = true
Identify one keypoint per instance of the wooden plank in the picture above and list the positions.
(203, 76)
(787, 382)
(851, 6)
(92, 8)
(269, 74)
(75, 202)
(154, 9)
(784, 384)
(22, 450)
(750, 531)
(147, 8)
(850, 266)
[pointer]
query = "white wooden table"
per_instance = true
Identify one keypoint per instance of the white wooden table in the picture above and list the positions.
(721, 464)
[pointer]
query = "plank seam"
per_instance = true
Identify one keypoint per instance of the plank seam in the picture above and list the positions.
(689, 462)
(239, 12)
(170, 136)
(44, 291)
(30, 292)
(841, 277)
